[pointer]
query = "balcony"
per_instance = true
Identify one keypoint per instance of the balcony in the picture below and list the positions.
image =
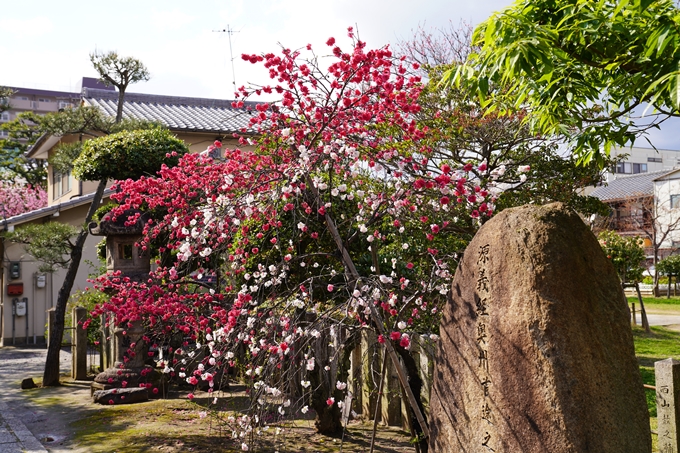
(630, 223)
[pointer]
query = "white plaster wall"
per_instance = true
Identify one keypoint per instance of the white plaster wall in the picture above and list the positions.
(667, 218)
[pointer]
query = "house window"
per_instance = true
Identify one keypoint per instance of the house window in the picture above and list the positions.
(675, 201)
(630, 168)
(44, 100)
(61, 183)
(4, 116)
(655, 159)
(4, 134)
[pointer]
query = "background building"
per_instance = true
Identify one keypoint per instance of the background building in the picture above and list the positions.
(196, 121)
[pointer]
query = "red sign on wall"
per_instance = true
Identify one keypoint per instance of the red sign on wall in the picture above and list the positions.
(15, 289)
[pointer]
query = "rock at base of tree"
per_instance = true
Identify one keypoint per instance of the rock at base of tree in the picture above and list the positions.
(27, 384)
(536, 351)
(121, 396)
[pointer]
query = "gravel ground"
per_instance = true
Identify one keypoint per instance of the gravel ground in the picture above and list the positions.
(48, 421)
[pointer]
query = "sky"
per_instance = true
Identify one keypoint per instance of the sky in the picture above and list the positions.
(46, 44)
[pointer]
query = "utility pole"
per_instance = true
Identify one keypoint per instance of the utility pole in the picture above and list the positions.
(229, 31)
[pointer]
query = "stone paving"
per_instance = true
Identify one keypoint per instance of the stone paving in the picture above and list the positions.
(14, 436)
(15, 364)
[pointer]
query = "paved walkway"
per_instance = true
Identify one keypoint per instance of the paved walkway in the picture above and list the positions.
(14, 436)
(658, 319)
(16, 364)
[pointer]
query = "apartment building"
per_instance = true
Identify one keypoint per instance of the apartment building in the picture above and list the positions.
(45, 101)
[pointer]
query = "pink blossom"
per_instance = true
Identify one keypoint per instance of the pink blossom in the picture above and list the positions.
(18, 198)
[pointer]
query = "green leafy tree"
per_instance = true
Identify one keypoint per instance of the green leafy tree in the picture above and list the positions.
(50, 243)
(113, 161)
(128, 154)
(5, 94)
(82, 122)
(581, 68)
(13, 161)
(119, 72)
(669, 266)
(626, 254)
(523, 166)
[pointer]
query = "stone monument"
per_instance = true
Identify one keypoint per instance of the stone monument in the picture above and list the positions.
(127, 348)
(536, 351)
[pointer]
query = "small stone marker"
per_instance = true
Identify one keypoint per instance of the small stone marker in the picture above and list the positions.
(536, 352)
(28, 384)
(667, 404)
(121, 396)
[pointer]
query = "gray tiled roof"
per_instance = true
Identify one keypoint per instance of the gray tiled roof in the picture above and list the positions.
(177, 113)
(628, 186)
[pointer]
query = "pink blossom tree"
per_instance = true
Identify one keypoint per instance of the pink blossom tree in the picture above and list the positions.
(17, 198)
(338, 222)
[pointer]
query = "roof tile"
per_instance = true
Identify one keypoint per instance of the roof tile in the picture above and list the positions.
(628, 186)
(177, 113)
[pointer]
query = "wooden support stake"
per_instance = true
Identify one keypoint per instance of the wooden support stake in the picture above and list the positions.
(351, 269)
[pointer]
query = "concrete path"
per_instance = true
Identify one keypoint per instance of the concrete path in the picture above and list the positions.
(15, 411)
(658, 319)
(14, 436)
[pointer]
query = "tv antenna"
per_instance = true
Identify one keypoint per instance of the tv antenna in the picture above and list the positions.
(229, 31)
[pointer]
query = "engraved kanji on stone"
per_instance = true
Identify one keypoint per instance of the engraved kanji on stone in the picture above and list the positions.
(483, 257)
(482, 306)
(483, 281)
(486, 412)
(485, 385)
(484, 359)
(668, 448)
(661, 400)
(481, 333)
(485, 441)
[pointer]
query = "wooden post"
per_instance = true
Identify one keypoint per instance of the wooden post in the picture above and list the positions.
(390, 413)
(643, 312)
(667, 374)
(357, 378)
(633, 311)
(372, 358)
(79, 345)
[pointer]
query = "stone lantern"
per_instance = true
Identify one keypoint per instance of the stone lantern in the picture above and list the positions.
(126, 353)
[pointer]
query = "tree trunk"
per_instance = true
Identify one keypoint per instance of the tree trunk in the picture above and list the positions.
(668, 290)
(51, 373)
(121, 98)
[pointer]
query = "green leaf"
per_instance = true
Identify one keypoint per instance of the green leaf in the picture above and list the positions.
(483, 87)
(675, 87)
(622, 4)
(644, 4)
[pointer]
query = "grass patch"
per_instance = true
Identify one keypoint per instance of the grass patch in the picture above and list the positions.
(654, 300)
(660, 344)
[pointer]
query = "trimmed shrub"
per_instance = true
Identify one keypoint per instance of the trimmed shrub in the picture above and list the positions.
(128, 155)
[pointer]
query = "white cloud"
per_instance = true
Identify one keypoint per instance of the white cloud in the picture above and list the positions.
(170, 19)
(26, 28)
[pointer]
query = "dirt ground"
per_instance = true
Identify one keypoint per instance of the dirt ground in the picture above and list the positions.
(65, 420)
